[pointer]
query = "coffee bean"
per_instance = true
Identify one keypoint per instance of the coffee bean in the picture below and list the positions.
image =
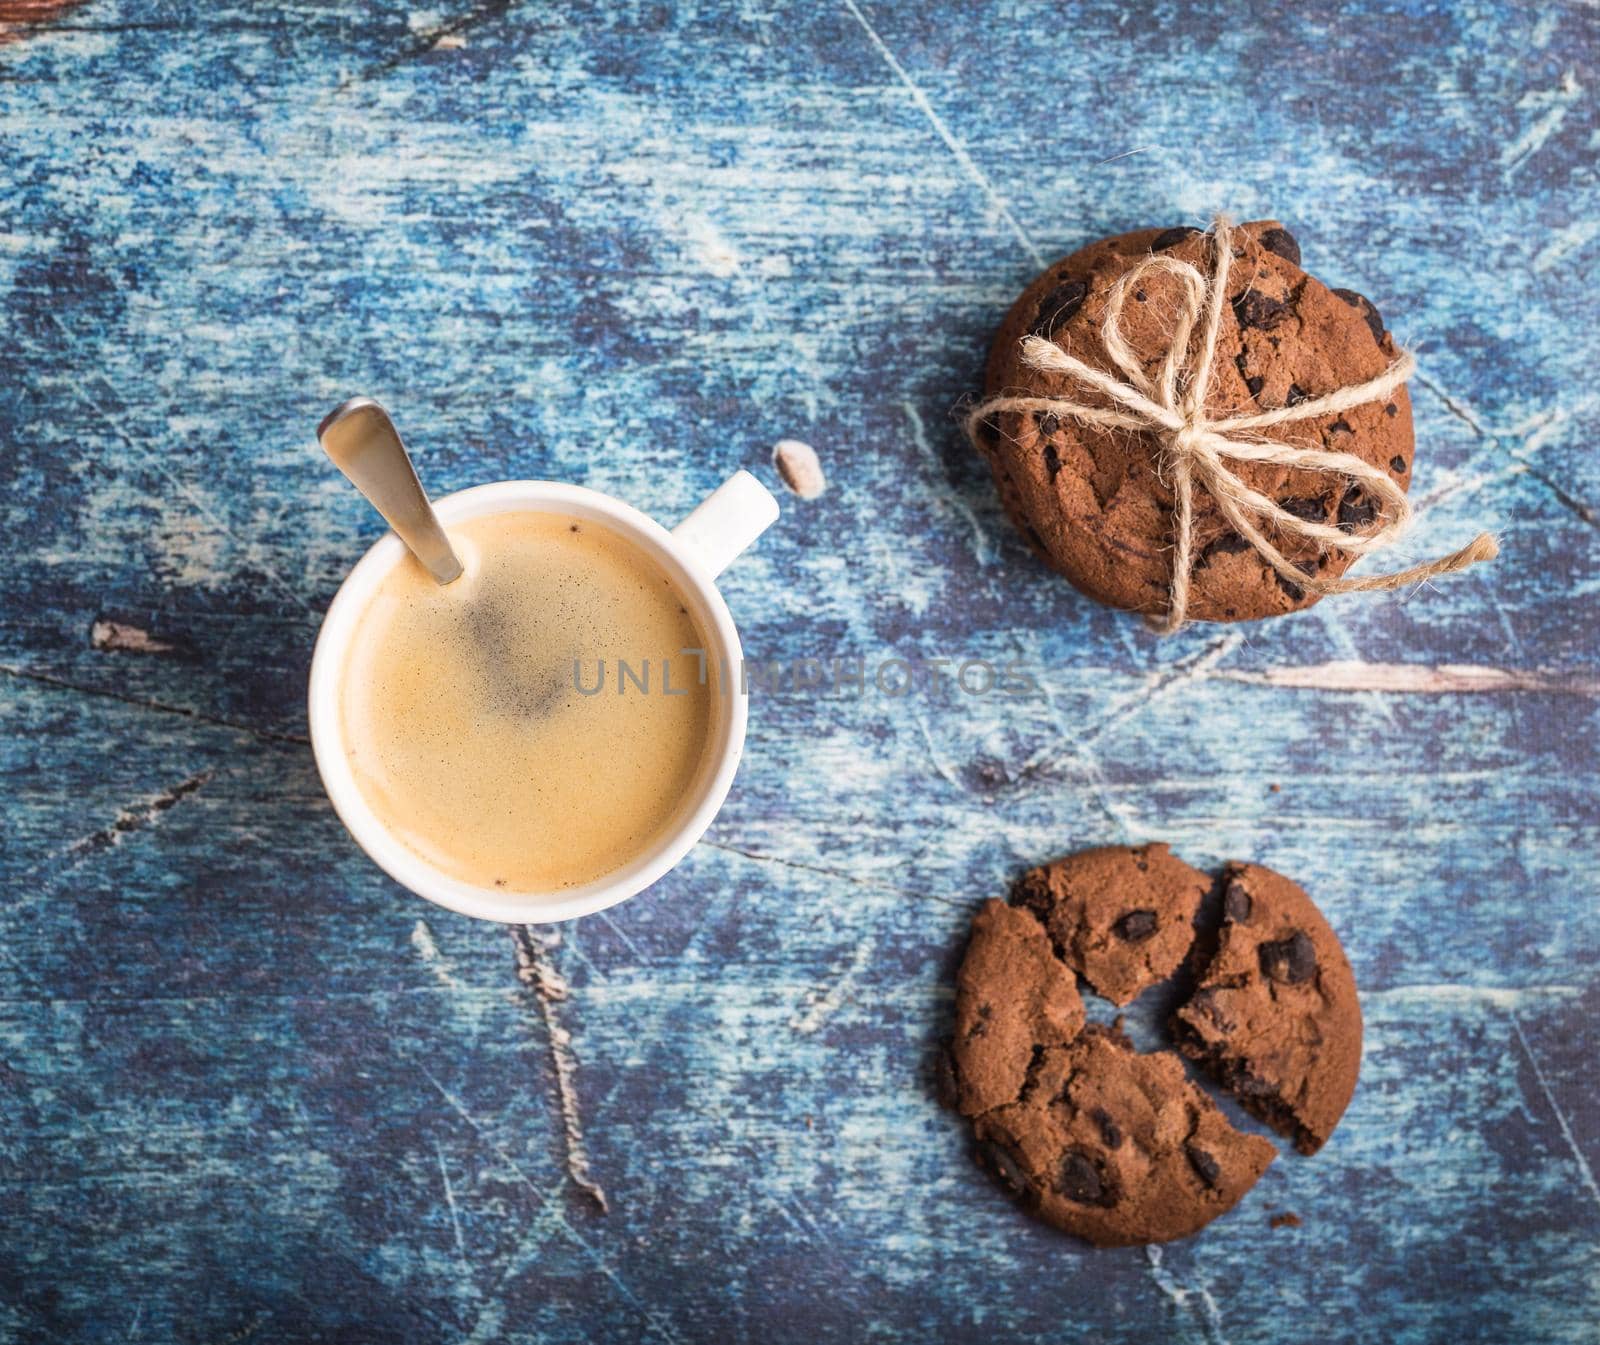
(1004, 1166)
(799, 468)
(1255, 309)
(1206, 1167)
(1059, 305)
(1135, 926)
(1110, 1131)
(1397, 465)
(1236, 903)
(1281, 242)
(1079, 1179)
(1289, 961)
(1172, 237)
(1369, 311)
(1356, 509)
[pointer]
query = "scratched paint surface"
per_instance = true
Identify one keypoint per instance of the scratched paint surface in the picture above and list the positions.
(251, 1090)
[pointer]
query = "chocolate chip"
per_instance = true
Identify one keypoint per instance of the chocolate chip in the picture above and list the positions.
(1281, 242)
(1171, 237)
(1340, 426)
(1289, 961)
(1309, 507)
(1079, 1179)
(1293, 589)
(1255, 384)
(1228, 544)
(1048, 423)
(1059, 305)
(1206, 1167)
(1297, 394)
(1390, 409)
(1110, 1131)
(1236, 903)
(1368, 310)
(1397, 464)
(1052, 460)
(1004, 1166)
(1255, 309)
(1135, 926)
(1356, 509)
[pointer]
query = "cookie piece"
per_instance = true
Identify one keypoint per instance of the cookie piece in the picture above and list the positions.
(1013, 996)
(1121, 916)
(1118, 1147)
(1093, 501)
(1275, 1016)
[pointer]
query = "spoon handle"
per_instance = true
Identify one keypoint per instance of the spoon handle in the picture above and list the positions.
(365, 445)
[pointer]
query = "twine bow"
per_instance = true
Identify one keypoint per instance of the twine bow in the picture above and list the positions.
(1197, 449)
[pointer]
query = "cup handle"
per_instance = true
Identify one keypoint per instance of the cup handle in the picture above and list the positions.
(726, 522)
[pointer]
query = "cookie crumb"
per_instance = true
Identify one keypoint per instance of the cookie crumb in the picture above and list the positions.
(799, 468)
(1285, 1220)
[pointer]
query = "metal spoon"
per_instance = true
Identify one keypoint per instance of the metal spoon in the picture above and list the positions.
(364, 444)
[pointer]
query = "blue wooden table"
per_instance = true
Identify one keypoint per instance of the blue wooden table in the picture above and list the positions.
(250, 1090)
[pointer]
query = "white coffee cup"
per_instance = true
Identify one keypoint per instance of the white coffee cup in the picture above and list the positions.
(692, 555)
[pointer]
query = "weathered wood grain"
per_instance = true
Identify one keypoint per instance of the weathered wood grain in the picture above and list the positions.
(250, 1090)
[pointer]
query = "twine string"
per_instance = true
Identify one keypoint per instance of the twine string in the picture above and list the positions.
(1197, 450)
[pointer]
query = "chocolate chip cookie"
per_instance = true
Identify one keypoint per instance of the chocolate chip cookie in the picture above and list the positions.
(1118, 1147)
(1013, 996)
(1122, 917)
(1093, 501)
(1275, 1017)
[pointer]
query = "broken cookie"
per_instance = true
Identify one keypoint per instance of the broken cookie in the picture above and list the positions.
(1121, 916)
(1013, 996)
(1118, 1147)
(1275, 1018)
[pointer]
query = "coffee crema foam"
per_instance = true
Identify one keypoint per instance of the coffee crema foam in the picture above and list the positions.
(463, 719)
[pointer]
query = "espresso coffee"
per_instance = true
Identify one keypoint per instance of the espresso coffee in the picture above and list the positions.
(539, 722)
